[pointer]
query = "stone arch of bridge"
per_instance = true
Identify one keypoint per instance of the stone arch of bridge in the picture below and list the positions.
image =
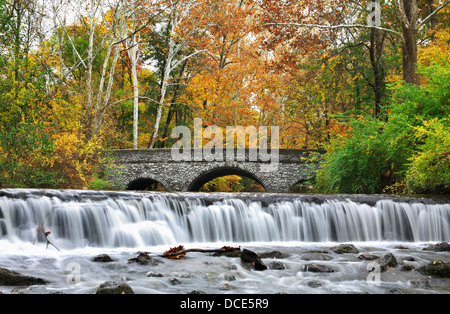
(144, 184)
(212, 174)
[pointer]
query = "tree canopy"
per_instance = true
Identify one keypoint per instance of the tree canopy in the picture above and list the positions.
(365, 80)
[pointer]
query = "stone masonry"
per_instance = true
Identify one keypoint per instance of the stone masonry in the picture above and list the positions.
(158, 165)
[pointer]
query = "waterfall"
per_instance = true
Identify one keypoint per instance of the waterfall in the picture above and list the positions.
(140, 220)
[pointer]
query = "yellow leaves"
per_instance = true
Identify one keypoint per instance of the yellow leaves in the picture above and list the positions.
(224, 184)
(75, 159)
(438, 50)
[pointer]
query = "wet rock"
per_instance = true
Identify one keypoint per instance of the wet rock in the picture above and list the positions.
(228, 277)
(12, 278)
(226, 287)
(398, 290)
(252, 258)
(421, 284)
(316, 268)
(196, 292)
(114, 287)
(103, 258)
(440, 247)
(154, 275)
(232, 267)
(368, 257)
(407, 267)
(272, 254)
(345, 249)
(277, 266)
(174, 282)
(386, 262)
(314, 284)
(436, 269)
(408, 259)
(145, 259)
(316, 257)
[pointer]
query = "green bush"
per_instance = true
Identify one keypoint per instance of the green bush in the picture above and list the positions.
(429, 171)
(24, 150)
(371, 158)
(407, 153)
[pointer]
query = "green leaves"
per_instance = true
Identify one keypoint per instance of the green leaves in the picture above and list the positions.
(410, 152)
(429, 171)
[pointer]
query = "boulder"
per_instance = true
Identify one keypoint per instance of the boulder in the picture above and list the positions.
(436, 269)
(145, 259)
(252, 258)
(155, 275)
(196, 292)
(277, 266)
(401, 247)
(174, 282)
(228, 277)
(386, 262)
(316, 268)
(399, 290)
(114, 287)
(407, 267)
(422, 283)
(368, 257)
(314, 284)
(345, 249)
(272, 254)
(440, 247)
(103, 258)
(12, 278)
(316, 257)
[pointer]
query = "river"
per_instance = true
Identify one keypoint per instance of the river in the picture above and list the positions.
(303, 229)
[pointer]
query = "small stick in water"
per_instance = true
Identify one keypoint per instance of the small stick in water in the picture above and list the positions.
(46, 235)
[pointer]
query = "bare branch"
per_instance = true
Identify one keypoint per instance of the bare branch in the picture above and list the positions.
(434, 13)
(335, 26)
(132, 97)
(186, 58)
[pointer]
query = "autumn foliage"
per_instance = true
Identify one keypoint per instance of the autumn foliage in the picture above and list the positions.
(83, 78)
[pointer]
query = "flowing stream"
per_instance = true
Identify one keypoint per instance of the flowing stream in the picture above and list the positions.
(83, 224)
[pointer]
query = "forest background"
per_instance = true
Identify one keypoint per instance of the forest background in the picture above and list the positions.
(79, 78)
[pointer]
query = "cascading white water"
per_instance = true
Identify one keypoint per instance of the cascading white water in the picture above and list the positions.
(137, 222)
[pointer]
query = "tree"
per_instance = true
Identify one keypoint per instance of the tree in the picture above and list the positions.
(408, 15)
(105, 28)
(408, 12)
(133, 48)
(184, 21)
(335, 17)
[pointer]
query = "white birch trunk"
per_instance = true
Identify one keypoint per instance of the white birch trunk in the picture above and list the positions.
(134, 59)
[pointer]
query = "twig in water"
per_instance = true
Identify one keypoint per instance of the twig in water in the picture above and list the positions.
(46, 235)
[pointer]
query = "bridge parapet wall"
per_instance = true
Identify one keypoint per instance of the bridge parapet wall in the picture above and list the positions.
(291, 167)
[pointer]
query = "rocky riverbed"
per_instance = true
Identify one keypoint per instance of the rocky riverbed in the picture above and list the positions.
(305, 268)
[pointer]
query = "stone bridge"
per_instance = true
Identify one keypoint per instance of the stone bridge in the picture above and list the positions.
(140, 169)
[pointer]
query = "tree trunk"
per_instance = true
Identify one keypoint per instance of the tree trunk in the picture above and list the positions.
(134, 59)
(160, 104)
(433, 20)
(173, 108)
(375, 51)
(408, 13)
(89, 110)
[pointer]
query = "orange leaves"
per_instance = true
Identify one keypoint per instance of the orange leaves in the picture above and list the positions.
(178, 253)
(175, 253)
